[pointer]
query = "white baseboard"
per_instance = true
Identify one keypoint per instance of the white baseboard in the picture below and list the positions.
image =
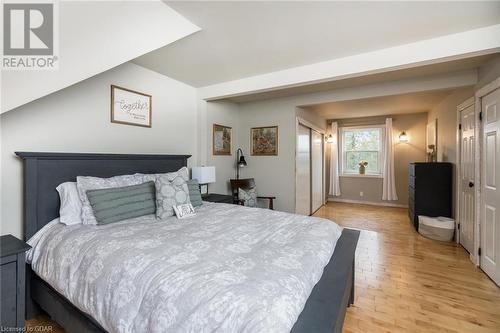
(372, 203)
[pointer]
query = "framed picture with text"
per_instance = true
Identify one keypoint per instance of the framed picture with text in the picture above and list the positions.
(130, 107)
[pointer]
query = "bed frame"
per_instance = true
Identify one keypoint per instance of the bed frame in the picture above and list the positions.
(324, 310)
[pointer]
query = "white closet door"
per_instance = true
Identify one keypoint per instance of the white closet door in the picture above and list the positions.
(316, 170)
(490, 218)
(303, 171)
(467, 182)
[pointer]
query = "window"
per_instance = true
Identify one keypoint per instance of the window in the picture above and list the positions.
(361, 144)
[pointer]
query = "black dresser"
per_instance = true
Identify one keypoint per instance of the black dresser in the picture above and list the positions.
(429, 190)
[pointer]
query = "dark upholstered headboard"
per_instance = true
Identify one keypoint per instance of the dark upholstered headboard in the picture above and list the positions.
(44, 171)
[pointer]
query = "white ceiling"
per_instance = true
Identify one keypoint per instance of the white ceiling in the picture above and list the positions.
(396, 75)
(241, 39)
(398, 104)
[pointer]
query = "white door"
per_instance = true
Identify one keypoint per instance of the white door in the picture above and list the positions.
(303, 171)
(466, 195)
(490, 167)
(316, 170)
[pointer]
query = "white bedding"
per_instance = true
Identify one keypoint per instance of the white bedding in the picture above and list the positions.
(228, 269)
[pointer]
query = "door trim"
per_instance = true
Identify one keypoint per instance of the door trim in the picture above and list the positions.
(462, 106)
(478, 157)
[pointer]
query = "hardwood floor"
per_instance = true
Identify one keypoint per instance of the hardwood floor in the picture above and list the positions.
(405, 282)
(408, 283)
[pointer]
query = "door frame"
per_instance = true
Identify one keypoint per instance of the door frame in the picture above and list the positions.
(303, 122)
(478, 174)
(462, 106)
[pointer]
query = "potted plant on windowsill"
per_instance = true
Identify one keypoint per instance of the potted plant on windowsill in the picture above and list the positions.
(362, 167)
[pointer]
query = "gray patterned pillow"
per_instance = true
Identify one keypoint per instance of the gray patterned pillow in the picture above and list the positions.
(171, 190)
(84, 183)
(249, 197)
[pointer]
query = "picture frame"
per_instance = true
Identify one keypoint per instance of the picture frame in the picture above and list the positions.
(264, 141)
(221, 140)
(130, 107)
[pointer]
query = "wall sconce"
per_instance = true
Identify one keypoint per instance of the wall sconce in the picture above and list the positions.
(403, 137)
(329, 139)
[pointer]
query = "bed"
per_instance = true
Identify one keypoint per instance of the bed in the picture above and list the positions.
(324, 308)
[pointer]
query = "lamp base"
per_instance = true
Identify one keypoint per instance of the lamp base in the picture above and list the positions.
(204, 189)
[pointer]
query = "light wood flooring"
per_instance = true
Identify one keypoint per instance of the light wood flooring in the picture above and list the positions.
(405, 282)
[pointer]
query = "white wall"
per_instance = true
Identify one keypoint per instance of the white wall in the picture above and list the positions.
(227, 114)
(274, 175)
(76, 119)
(488, 72)
(446, 114)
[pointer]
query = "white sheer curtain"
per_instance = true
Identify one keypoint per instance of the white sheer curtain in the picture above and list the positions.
(334, 162)
(389, 182)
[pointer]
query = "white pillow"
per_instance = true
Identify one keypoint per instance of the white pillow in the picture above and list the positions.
(70, 210)
(85, 183)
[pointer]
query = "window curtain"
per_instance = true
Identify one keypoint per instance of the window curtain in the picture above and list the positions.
(389, 181)
(334, 162)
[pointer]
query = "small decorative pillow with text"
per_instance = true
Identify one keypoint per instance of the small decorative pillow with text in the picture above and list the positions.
(171, 190)
(248, 196)
(184, 211)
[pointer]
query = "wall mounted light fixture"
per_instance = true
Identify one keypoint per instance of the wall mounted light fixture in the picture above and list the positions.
(329, 139)
(403, 137)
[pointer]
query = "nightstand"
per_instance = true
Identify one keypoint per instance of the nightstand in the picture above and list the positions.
(220, 198)
(12, 277)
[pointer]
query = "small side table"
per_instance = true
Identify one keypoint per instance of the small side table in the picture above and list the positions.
(220, 198)
(12, 277)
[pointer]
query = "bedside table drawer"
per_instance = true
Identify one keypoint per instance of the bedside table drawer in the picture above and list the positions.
(8, 276)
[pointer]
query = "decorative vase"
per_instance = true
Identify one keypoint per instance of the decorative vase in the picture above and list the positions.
(362, 170)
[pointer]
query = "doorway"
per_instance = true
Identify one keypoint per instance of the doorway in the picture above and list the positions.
(489, 254)
(309, 169)
(466, 174)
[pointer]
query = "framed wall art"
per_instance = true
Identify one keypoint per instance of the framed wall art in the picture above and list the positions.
(221, 140)
(130, 107)
(264, 141)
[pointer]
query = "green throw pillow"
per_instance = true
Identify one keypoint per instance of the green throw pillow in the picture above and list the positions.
(120, 203)
(194, 192)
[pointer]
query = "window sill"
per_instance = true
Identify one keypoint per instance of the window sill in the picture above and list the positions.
(357, 175)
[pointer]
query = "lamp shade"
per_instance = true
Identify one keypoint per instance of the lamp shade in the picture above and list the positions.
(403, 137)
(242, 163)
(204, 174)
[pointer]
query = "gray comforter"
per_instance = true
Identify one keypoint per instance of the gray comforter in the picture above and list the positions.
(228, 269)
